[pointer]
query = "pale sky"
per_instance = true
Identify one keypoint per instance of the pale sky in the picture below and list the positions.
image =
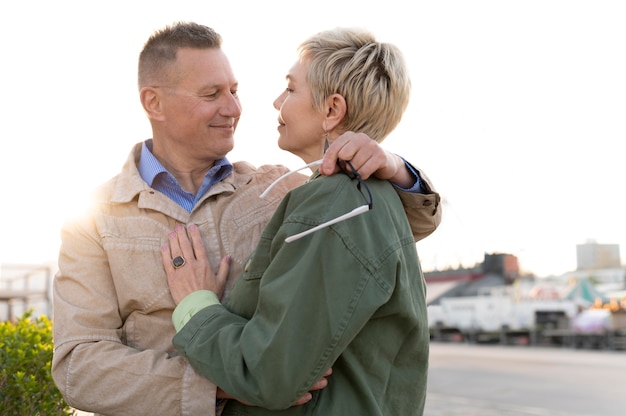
(518, 114)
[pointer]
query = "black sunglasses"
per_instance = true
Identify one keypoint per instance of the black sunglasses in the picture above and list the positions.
(354, 174)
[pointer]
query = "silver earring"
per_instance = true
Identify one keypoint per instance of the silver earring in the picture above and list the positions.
(325, 141)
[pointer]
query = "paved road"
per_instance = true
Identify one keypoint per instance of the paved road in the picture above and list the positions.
(486, 380)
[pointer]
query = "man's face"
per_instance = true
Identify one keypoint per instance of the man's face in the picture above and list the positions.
(201, 108)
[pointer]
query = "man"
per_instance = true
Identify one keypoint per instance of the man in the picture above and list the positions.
(112, 306)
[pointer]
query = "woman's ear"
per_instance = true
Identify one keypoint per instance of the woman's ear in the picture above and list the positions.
(335, 111)
(151, 102)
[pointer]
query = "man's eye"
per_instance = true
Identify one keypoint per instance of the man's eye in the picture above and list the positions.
(234, 93)
(289, 90)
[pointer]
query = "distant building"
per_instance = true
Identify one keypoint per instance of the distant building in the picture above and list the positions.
(594, 256)
(496, 270)
(503, 264)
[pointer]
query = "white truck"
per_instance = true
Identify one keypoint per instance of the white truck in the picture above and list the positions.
(491, 313)
(495, 315)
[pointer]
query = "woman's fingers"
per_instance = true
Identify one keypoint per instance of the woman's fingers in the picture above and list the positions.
(196, 242)
(184, 243)
(187, 265)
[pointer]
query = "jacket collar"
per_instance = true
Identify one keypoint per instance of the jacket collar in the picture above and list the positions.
(129, 183)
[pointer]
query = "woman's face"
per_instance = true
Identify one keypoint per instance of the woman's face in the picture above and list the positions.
(300, 126)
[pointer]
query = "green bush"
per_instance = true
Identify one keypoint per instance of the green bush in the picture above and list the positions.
(26, 386)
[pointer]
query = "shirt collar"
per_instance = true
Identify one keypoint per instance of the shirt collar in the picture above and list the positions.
(149, 167)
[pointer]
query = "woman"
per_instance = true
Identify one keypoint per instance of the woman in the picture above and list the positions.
(335, 281)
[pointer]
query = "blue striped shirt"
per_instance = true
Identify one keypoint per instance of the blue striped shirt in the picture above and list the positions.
(155, 175)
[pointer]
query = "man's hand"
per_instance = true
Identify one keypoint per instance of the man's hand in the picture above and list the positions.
(196, 272)
(321, 383)
(368, 158)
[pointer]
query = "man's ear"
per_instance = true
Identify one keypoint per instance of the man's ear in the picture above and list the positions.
(151, 102)
(335, 111)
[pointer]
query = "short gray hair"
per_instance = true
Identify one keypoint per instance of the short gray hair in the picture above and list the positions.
(161, 48)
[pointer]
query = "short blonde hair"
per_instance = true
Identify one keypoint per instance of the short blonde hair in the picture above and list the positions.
(371, 76)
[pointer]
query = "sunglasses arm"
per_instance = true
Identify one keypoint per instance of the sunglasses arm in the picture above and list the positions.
(310, 165)
(356, 211)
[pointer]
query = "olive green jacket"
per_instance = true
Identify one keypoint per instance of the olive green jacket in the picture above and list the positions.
(350, 296)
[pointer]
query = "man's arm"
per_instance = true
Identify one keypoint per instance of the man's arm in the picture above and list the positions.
(420, 200)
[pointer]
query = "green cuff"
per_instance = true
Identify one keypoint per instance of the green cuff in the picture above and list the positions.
(190, 305)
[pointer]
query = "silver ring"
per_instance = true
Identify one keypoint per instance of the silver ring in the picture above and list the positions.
(178, 262)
